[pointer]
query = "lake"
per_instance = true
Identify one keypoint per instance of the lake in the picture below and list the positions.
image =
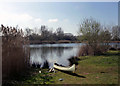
(59, 53)
(55, 53)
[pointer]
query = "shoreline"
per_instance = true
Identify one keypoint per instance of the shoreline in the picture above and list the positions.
(65, 41)
(53, 42)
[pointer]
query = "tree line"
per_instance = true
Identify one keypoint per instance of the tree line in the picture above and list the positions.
(90, 30)
(45, 34)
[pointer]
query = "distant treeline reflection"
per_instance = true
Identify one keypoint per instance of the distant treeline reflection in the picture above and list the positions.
(46, 50)
(40, 55)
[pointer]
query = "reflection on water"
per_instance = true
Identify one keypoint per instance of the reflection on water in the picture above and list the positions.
(52, 53)
(59, 53)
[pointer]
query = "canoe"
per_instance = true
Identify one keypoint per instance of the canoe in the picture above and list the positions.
(72, 68)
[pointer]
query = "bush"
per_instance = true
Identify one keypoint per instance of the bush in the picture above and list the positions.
(85, 50)
(89, 50)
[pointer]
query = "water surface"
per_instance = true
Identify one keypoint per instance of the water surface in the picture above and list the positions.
(56, 53)
(59, 53)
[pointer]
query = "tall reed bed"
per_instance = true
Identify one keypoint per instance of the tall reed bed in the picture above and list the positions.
(15, 53)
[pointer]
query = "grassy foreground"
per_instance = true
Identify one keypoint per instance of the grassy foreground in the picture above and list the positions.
(101, 69)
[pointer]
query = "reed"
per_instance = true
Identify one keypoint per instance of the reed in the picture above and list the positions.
(15, 53)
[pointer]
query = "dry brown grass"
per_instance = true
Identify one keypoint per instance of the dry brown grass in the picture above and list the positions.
(15, 56)
(85, 50)
(92, 50)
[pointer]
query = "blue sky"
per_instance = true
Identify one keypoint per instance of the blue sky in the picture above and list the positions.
(67, 15)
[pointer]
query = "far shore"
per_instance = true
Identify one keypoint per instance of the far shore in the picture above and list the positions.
(64, 41)
(53, 42)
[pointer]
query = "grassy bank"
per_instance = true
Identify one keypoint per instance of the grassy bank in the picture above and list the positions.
(101, 69)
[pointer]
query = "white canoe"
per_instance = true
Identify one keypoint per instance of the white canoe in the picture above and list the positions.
(72, 68)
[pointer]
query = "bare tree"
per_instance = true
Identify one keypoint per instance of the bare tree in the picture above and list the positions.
(59, 33)
(116, 33)
(93, 34)
(90, 30)
(28, 31)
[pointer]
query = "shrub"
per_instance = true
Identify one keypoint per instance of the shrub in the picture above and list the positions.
(88, 50)
(85, 50)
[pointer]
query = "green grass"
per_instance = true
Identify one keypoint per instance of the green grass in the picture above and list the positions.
(33, 77)
(39, 78)
(102, 69)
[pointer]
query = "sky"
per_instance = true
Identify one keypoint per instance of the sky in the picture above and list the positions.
(67, 15)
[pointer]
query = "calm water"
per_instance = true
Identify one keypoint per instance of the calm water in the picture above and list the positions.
(59, 53)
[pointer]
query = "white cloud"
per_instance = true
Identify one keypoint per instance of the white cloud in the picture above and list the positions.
(53, 20)
(38, 20)
(8, 17)
(22, 20)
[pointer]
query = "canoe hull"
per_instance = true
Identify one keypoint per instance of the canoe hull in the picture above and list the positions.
(72, 68)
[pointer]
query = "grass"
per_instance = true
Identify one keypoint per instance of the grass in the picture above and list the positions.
(39, 78)
(102, 69)
(32, 77)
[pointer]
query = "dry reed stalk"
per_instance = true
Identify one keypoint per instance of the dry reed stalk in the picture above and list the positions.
(15, 55)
